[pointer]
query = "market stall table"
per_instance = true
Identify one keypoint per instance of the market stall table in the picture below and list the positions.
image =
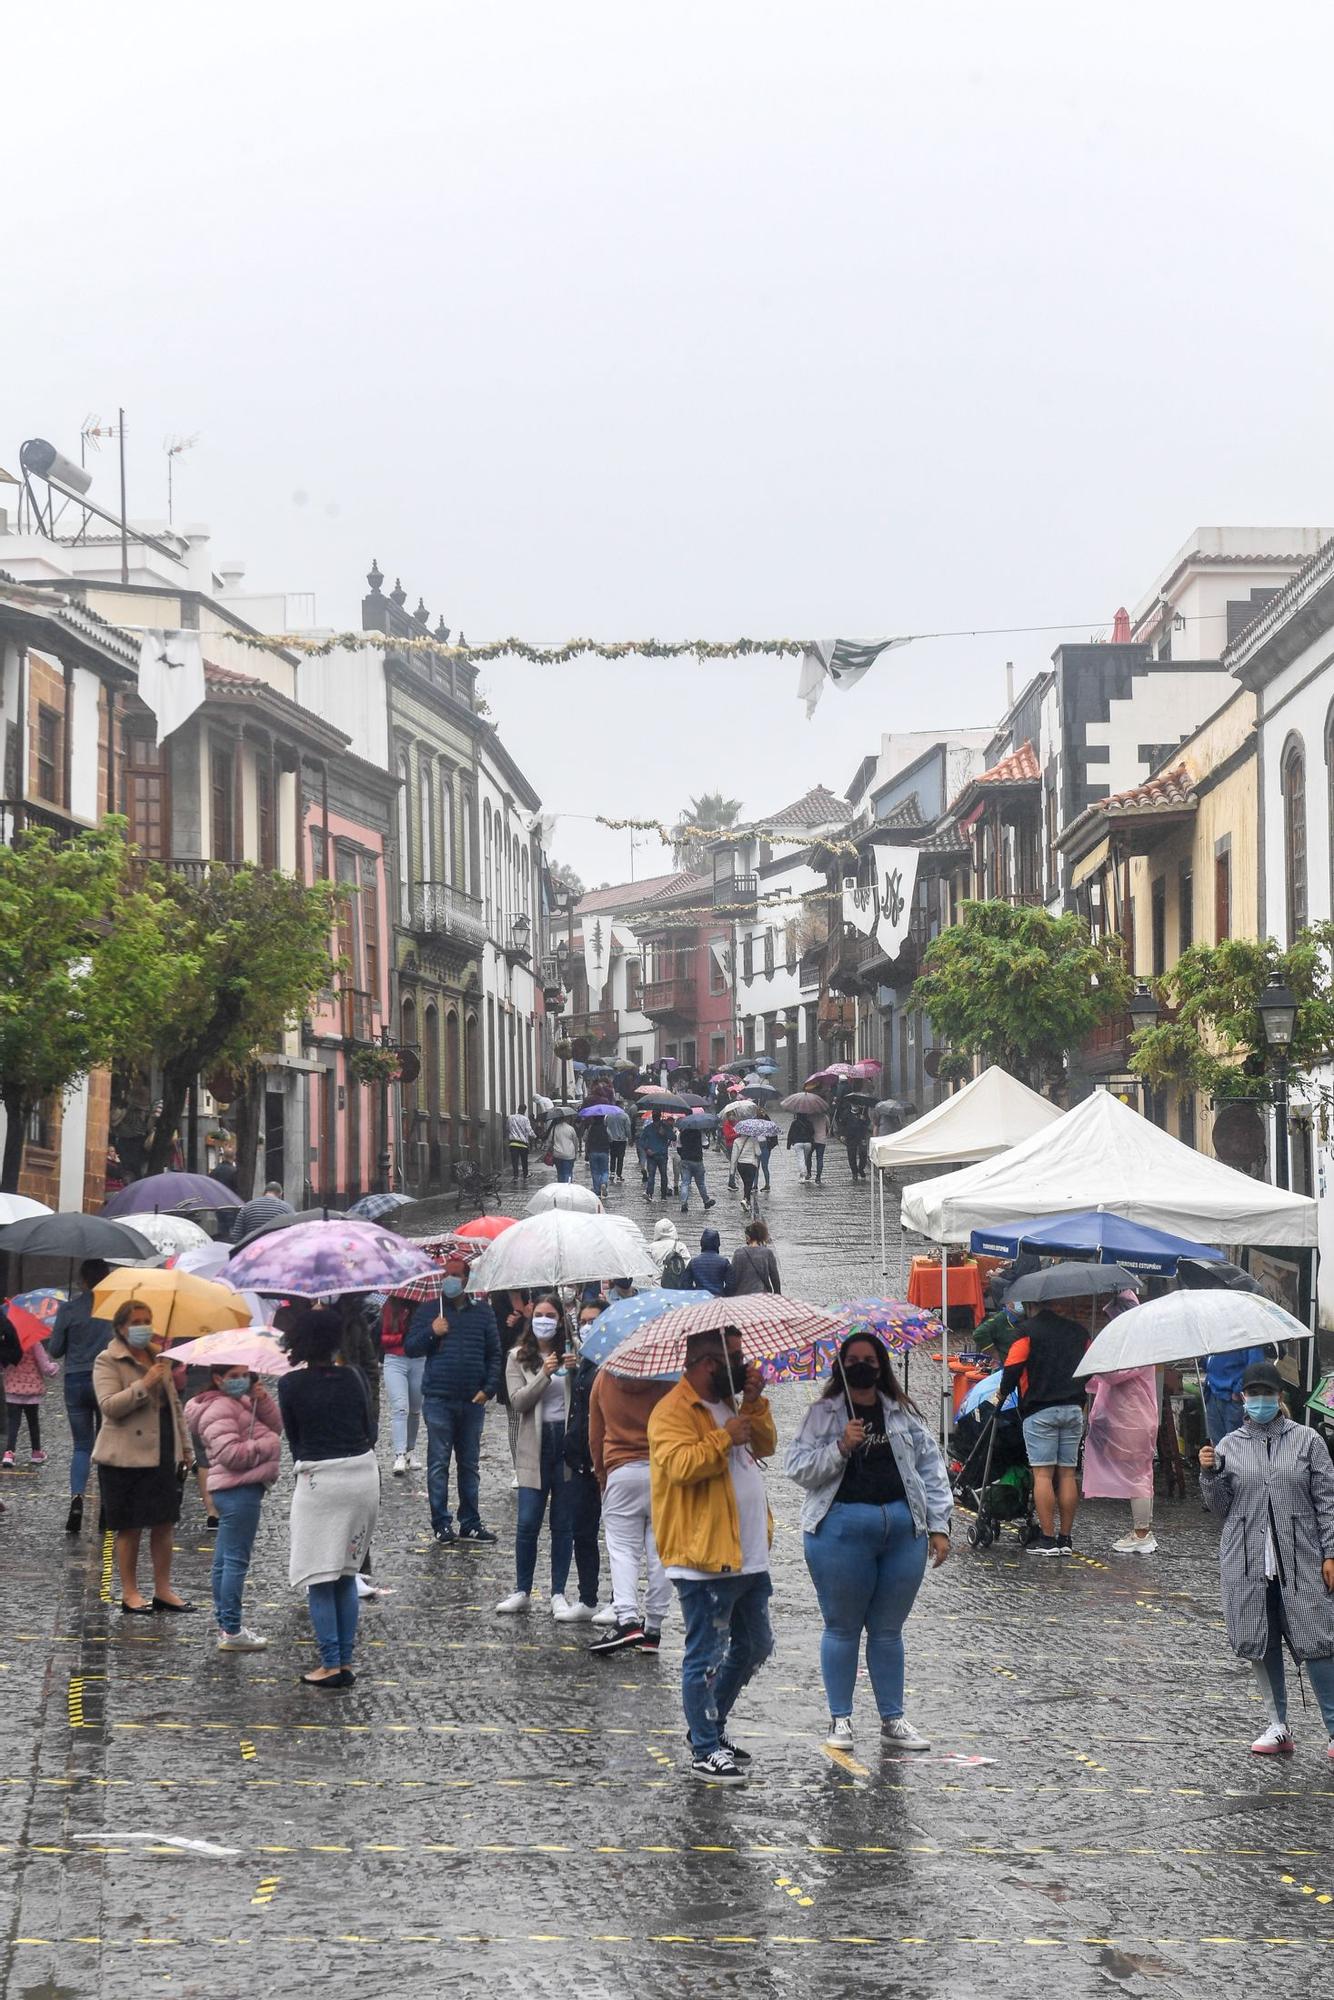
(965, 1286)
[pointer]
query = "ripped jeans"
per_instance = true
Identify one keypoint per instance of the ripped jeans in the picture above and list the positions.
(728, 1640)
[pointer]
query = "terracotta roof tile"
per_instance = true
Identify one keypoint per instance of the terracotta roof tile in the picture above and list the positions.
(1171, 791)
(1019, 768)
(624, 895)
(217, 676)
(817, 807)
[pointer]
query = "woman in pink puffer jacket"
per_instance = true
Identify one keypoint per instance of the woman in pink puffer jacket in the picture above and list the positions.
(238, 1424)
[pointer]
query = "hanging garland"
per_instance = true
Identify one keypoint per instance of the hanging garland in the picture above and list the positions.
(498, 649)
(675, 836)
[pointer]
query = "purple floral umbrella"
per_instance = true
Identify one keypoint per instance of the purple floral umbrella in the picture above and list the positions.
(320, 1260)
(757, 1128)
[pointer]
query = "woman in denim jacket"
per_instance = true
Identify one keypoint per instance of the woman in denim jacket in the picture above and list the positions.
(877, 1497)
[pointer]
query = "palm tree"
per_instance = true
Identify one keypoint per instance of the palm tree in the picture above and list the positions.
(711, 811)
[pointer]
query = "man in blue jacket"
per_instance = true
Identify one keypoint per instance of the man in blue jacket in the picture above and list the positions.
(657, 1138)
(708, 1271)
(461, 1343)
(1222, 1389)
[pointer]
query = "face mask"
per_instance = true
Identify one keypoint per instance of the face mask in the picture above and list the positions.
(862, 1374)
(138, 1336)
(451, 1287)
(1260, 1409)
(728, 1380)
(544, 1330)
(236, 1385)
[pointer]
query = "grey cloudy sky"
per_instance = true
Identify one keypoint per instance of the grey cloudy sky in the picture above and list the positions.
(694, 320)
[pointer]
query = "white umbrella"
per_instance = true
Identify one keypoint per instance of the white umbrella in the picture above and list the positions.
(567, 1195)
(18, 1208)
(171, 1234)
(1184, 1326)
(561, 1248)
(206, 1259)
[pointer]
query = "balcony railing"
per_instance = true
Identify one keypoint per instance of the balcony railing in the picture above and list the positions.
(600, 1028)
(441, 910)
(354, 1015)
(733, 889)
(669, 996)
(1107, 1043)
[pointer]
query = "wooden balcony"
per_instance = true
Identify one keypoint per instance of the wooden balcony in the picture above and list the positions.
(669, 999)
(601, 1028)
(732, 890)
(441, 911)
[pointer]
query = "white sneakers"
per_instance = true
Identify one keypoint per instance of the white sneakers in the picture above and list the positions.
(518, 1600)
(840, 1732)
(897, 1729)
(414, 1463)
(244, 1641)
(566, 1613)
(400, 1465)
(1276, 1741)
(607, 1615)
(1136, 1545)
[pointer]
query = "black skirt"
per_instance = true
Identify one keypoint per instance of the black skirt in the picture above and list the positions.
(144, 1496)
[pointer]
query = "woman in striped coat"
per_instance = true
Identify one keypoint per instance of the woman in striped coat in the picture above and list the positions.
(1273, 1484)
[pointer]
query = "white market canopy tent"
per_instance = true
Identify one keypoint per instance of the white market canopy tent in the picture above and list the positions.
(993, 1112)
(1104, 1155)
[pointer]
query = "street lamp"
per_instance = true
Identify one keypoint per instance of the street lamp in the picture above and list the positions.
(1143, 1008)
(1278, 1013)
(521, 931)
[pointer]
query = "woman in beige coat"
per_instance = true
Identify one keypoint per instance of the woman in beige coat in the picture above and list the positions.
(141, 1454)
(538, 1376)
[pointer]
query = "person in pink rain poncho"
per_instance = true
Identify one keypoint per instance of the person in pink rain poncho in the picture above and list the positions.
(1119, 1447)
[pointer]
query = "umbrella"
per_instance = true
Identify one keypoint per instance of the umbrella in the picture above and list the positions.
(741, 1107)
(174, 1193)
(757, 1128)
(485, 1228)
(807, 1102)
(1097, 1233)
(1196, 1277)
(720, 1076)
(321, 1260)
(891, 1320)
(690, 1097)
(377, 1207)
(276, 1222)
(170, 1234)
(652, 1090)
(1070, 1281)
(666, 1100)
(830, 1070)
(625, 1317)
(564, 1194)
(603, 1110)
(701, 1121)
(33, 1314)
(74, 1236)
(768, 1323)
(759, 1091)
(983, 1391)
(1183, 1326)
(207, 1260)
(562, 1248)
(252, 1347)
(867, 1067)
(20, 1208)
(751, 1078)
(182, 1305)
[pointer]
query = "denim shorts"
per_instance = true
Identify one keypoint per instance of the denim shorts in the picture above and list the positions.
(1051, 1437)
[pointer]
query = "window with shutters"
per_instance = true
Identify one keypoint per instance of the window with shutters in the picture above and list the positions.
(50, 754)
(146, 798)
(266, 822)
(1185, 907)
(222, 804)
(1294, 830)
(1223, 890)
(768, 954)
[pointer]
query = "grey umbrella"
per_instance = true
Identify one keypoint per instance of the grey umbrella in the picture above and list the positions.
(75, 1236)
(1070, 1281)
(276, 1222)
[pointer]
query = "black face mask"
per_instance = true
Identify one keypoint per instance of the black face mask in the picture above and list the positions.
(862, 1374)
(728, 1380)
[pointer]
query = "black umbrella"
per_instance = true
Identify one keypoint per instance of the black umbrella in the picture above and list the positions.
(1071, 1281)
(1196, 1277)
(74, 1236)
(289, 1222)
(667, 1102)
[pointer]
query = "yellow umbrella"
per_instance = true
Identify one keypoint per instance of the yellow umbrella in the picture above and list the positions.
(182, 1305)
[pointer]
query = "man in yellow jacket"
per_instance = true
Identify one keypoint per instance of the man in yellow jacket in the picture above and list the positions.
(713, 1528)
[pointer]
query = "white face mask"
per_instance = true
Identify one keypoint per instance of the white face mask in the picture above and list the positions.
(544, 1331)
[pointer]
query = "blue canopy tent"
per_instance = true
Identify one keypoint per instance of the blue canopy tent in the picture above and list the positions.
(1096, 1234)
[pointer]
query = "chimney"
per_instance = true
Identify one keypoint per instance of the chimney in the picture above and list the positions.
(231, 573)
(1009, 684)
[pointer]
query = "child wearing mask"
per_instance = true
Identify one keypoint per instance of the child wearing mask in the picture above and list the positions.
(237, 1422)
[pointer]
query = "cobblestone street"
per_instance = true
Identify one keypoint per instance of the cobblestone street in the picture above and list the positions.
(490, 1811)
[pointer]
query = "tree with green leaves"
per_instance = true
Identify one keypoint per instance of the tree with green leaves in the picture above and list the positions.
(1212, 1037)
(85, 968)
(1018, 987)
(711, 812)
(250, 950)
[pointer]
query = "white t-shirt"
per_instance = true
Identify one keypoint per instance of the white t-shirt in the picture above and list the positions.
(752, 1509)
(552, 1407)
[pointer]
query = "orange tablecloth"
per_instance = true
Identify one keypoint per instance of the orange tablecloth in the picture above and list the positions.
(965, 1286)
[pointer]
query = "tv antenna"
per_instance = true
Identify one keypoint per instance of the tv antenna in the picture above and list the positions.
(173, 447)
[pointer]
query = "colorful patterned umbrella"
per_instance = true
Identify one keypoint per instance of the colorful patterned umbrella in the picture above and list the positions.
(171, 1194)
(768, 1325)
(321, 1260)
(868, 1068)
(891, 1320)
(623, 1320)
(757, 1128)
(252, 1347)
(830, 1069)
(378, 1207)
(36, 1314)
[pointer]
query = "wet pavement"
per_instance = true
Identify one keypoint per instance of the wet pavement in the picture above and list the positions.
(490, 1811)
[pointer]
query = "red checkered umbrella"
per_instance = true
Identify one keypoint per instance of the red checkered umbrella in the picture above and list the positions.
(768, 1324)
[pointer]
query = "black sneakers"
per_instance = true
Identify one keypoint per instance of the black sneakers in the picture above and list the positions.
(741, 1758)
(719, 1768)
(1064, 1545)
(445, 1538)
(621, 1637)
(649, 1640)
(478, 1534)
(74, 1519)
(1045, 1545)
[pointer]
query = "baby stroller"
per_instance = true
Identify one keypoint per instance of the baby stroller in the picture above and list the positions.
(989, 1466)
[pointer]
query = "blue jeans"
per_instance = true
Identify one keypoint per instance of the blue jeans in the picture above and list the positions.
(403, 1385)
(1221, 1415)
(867, 1567)
(81, 1409)
(817, 1151)
(237, 1509)
(585, 1508)
(728, 1640)
(453, 1429)
(1320, 1673)
(333, 1613)
(564, 1170)
(533, 1505)
(692, 1175)
(765, 1151)
(655, 1164)
(599, 1170)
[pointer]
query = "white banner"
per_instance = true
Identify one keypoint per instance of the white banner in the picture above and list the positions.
(882, 908)
(597, 957)
(171, 678)
(722, 956)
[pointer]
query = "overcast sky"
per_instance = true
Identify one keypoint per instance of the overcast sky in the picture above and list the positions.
(699, 320)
